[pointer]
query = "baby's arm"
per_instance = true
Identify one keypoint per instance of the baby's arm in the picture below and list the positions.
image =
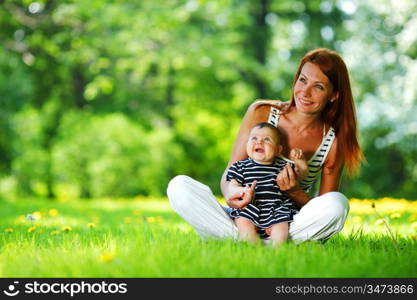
(242, 195)
(247, 192)
(301, 166)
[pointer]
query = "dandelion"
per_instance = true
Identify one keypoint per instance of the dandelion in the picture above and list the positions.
(106, 257)
(379, 222)
(66, 228)
(53, 212)
(8, 230)
(91, 225)
(31, 229)
(9, 246)
(151, 219)
(395, 216)
(55, 232)
(37, 215)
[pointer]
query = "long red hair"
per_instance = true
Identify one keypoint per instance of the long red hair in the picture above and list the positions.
(339, 114)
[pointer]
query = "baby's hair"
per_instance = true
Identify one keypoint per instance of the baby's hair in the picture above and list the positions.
(270, 126)
(265, 124)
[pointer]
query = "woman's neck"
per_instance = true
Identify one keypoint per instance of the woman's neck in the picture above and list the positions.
(302, 121)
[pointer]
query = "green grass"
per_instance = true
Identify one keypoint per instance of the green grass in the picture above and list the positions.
(145, 238)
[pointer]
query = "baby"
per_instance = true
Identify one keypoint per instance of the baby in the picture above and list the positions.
(271, 209)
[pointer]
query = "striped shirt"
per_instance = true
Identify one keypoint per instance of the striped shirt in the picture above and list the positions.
(270, 205)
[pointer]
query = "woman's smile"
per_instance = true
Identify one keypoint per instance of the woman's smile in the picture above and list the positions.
(304, 102)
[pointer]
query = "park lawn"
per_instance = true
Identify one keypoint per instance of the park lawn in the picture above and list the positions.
(143, 237)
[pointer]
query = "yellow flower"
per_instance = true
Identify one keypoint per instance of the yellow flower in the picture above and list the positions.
(37, 215)
(55, 232)
(379, 222)
(66, 228)
(106, 257)
(91, 225)
(9, 246)
(395, 215)
(8, 230)
(53, 212)
(151, 219)
(21, 219)
(32, 229)
(128, 220)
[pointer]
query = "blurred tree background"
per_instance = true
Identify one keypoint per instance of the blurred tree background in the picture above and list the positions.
(112, 98)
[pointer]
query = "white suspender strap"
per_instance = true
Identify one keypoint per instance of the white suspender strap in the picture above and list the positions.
(273, 116)
(327, 144)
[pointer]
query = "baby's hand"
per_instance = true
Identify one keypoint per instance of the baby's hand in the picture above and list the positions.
(296, 154)
(249, 193)
(301, 166)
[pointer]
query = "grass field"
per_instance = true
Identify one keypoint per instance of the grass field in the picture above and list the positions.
(143, 237)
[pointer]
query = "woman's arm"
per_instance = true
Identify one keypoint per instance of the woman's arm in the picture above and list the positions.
(332, 171)
(254, 115)
(277, 103)
(330, 178)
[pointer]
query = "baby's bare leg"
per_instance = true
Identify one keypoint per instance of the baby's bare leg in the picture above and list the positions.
(278, 233)
(301, 166)
(247, 230)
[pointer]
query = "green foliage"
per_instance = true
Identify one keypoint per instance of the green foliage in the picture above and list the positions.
(180, 75)
(113, 156)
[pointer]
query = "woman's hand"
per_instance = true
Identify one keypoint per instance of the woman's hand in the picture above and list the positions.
(287, 179)
(240, 196)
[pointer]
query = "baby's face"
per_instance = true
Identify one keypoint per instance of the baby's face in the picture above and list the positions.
(263, 145)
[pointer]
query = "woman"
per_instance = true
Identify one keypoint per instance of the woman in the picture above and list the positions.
(320, 120)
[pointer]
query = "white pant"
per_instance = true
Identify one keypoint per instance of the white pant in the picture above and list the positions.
(319, 219)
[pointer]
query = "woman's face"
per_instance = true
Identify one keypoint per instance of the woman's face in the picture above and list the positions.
(312, 90)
